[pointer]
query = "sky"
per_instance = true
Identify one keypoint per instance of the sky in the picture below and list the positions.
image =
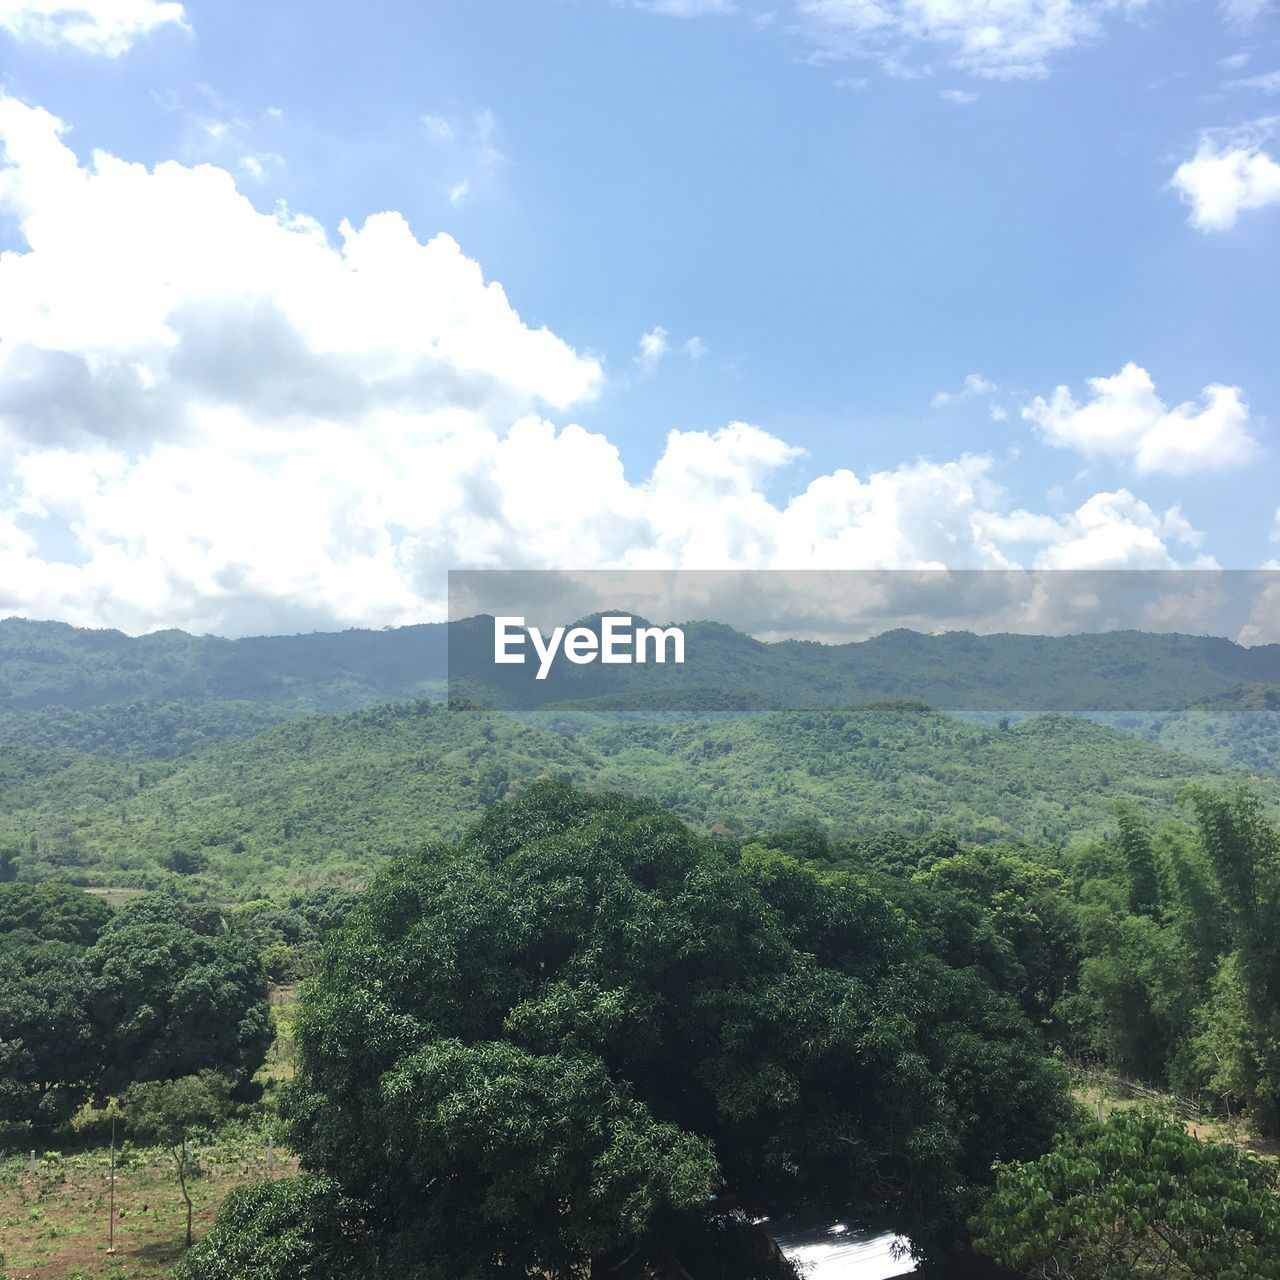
(303, 306)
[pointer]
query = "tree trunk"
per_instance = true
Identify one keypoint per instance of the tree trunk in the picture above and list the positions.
(180, 1155)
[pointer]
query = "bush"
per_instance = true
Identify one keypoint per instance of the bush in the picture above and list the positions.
(286, 1229)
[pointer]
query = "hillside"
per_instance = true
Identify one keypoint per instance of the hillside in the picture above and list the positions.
(44, 664)
(328, 797)
(52, 664)
(1240, 729)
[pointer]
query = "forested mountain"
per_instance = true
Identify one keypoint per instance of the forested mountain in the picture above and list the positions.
(1240, 728)
(45, 664)
(330, 796)
(52, 664)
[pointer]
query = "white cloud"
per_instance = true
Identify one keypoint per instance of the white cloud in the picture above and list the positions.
(259, 166)
(470, 145)
(1268, 82)
(686, 8)
(913, 39)
(974, 385)
(1229, 173)
(234, 424)
(960, 97)
(1125, 419)
(1012, 39)
(1234, 61)
(1118, 531)
(1243, 13)
(440, 127)
(695, 348)
(105, 27)
(653, 346)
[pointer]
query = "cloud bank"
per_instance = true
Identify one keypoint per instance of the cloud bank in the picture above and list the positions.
(227, 420)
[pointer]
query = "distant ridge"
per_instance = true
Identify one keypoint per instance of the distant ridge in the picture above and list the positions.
(46, 664)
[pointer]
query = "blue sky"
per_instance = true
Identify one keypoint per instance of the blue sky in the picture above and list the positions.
(826, 216)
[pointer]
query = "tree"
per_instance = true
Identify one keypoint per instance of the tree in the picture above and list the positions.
(1244, 851)
(554, 1042)
(1133, 1199)
(1028, 907)
(168, 1111)
(53, 912)
(1140, 861)
(300, 1228)
(48, 1045)
(171, 1002)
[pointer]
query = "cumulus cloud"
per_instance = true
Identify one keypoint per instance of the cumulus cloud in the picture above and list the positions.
(1118, 531)
(1125, 419)
(226, 420)
(105, 27)
(1230, 173)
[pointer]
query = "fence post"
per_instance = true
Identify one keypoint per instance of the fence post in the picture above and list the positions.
(111, 1204)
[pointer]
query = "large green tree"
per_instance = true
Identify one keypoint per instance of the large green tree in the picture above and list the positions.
(558, 1040)
(49, 1055)
(171, 1001)
(53, 912)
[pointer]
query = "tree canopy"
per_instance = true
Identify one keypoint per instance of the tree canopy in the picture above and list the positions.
(1136, 1199)
(586, 1031)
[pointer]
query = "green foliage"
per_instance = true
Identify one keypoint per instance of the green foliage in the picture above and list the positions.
(330, 797)
(167, 1112)
(1028, 907)
(137, 731)
(555, 1039)
(1244, 851)
(1140, 862)
(287, 1229)
(171, 1001)
(53, 912)
(52, 664)
(1138, 1198)
(48, 1042)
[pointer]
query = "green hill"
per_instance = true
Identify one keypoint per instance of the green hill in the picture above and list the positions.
(46, 664)
(328, 797)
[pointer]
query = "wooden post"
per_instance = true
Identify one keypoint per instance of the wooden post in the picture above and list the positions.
(111, 1196)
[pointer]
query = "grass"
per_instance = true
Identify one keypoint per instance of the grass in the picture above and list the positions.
(56, 1222)
(1103, 1095)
